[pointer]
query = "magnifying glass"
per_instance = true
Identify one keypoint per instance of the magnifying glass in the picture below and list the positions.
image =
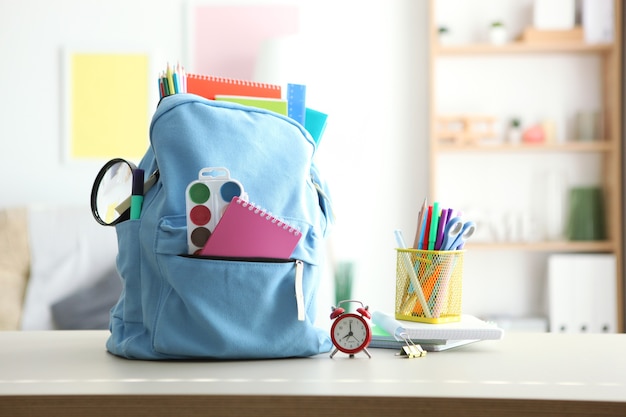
(112, 189)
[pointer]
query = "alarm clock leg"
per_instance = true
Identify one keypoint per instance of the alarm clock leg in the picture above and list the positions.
(334, 351)
(367, 353)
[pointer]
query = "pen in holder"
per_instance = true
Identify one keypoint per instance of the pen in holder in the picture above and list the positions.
(429, 285)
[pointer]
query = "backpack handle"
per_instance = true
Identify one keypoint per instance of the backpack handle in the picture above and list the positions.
(213, 173)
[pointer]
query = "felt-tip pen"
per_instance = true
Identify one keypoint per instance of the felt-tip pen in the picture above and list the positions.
(136, 200)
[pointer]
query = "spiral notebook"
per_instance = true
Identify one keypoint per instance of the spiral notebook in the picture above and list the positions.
(208, 86)
(247, 231)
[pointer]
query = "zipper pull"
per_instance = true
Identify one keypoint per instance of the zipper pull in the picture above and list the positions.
(299, 290)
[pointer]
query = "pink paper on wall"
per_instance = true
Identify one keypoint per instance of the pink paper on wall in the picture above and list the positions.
(227, 39)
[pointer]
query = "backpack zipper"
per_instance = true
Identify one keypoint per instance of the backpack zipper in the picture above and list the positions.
(299, 290)
(299, 276)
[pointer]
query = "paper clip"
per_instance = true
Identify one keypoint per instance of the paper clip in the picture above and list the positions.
(411, 350)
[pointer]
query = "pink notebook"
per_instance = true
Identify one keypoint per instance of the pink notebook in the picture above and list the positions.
(248, 231)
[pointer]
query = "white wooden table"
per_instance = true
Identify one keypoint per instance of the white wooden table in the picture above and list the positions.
(69, 373)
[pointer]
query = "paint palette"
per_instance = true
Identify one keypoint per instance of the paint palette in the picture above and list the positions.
(206, 199)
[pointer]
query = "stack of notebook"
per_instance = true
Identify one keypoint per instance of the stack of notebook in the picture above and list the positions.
(390, 333)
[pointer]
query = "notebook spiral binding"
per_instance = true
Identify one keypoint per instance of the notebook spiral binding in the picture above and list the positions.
(268, 216)
(235, 81)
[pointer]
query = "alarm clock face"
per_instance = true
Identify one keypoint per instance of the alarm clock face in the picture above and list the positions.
(350, 333)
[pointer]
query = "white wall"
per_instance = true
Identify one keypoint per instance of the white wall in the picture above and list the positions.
(33, 34)
(376, 156)
(370, 75)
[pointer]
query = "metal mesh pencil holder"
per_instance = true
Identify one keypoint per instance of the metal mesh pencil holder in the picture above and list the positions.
(429, 285)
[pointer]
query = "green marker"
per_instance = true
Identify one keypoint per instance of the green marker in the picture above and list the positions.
(136, 200)
(434, 223)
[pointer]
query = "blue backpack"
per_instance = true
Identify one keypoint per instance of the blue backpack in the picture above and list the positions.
(179, 306)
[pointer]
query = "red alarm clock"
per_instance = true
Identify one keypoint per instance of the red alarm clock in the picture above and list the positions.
(350, 333)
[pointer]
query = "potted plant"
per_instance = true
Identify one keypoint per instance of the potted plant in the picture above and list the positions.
(515, 131)
(444, 35)
(497, 33)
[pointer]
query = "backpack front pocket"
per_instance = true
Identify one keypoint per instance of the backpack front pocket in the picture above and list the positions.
(238, 309)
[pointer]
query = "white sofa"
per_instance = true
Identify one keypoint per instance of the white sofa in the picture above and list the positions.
(57, 269)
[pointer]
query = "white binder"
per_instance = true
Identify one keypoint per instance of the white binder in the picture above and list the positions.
(597, 20)
(582, 293)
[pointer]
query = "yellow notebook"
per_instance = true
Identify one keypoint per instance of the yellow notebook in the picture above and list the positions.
(276, 105)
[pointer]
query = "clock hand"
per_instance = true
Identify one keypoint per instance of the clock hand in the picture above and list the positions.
(350, 333)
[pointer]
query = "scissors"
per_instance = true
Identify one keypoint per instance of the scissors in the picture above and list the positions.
(456, 233)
